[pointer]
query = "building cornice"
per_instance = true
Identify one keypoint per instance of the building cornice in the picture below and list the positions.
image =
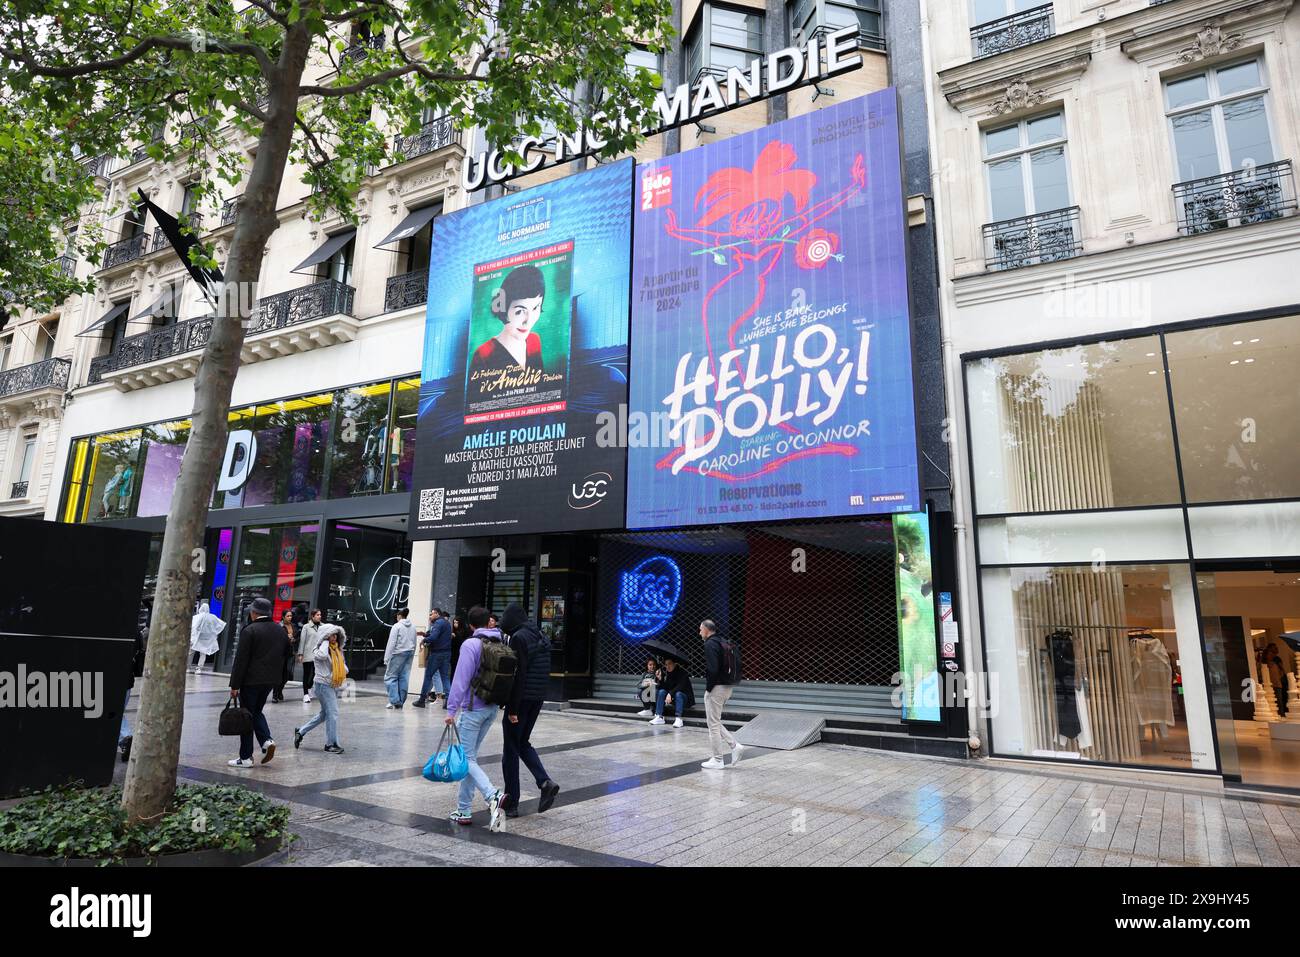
(1203, 34)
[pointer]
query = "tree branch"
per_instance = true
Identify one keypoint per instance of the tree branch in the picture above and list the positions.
(172, 42)
(384, 76)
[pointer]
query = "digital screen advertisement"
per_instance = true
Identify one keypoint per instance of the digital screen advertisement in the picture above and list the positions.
(770, 326)
(525, 346)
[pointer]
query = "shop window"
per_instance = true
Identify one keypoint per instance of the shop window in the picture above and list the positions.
(276, 562)
(401, 435)
(808, 16)
(1025, 167)
(1085, 427)
(1218, 120)
(1097, 664)
(360, 440)
(287, 463)
(722, 38)
(368, 577)
(1235, 405)
(163, 448)
(114, 474)
(78, 456)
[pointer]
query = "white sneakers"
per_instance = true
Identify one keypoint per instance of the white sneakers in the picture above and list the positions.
(656, 720)
(389, 707)
(713, 764)
(644, 713)
(678, 723)
(306, 699)
(737, 752)
(240, 762)
(496, 817)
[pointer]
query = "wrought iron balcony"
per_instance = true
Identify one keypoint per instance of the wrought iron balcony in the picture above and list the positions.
(325, 298)
(1253, 195)
(67, 265)
(174, 340)
(433, 135)
(97, 165)
(1029, 240)
(408, 289)
(48, 374)
(361, 47)
(230, 210)
(18, 490)
(1009, 33)
(125, 250)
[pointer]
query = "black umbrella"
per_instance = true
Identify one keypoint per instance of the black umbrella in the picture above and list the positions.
(662, 649)
(1292, 638)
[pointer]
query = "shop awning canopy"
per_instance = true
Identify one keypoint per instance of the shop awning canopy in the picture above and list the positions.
(412, 224)
(166, 305)
(326, 250)
(116, 312)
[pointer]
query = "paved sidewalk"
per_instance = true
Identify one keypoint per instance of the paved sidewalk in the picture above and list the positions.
(634, 795)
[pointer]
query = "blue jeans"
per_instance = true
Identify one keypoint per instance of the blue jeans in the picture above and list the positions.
(125, 731)
(328, 713)
(679, 700)
(397, 678)
(474, 727)
(435, 673)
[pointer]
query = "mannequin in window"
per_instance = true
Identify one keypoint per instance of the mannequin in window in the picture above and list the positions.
(372, 459)
(114, 481)
(518, 306)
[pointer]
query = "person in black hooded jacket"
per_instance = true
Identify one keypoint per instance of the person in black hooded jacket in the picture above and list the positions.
(533, 649)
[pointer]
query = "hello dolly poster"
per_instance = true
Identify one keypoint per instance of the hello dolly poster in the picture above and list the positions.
(525, 345)
(770, 334)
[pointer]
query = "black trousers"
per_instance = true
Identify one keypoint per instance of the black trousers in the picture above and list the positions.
(517, 746)
(308, 675)
(253, 697)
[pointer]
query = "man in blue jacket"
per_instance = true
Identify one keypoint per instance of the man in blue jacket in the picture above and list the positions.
(437, 669)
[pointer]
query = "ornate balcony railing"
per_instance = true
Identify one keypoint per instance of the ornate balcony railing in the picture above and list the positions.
(1018, 30)
(361, 47)
(1239, 198)
(125, 250)
(173, 340)
(408, 289)
(18, 490)
(48, 374)
(230, 210)
(325, 298)
(67, 265)
(1029, 240)
(97, 165)
(433, 135)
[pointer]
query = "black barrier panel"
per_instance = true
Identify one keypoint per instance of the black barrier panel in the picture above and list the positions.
(61, 704)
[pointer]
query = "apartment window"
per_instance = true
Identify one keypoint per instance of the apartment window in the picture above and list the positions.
(808, 16)
(1218, 120)
(639, 58)
(190, 202)
(49, 334)
(134, 224)
(115, 331)
(339, 265)
(28, 458)
(6, 344)
(722, 38)
(986, 10)
(1025, 167)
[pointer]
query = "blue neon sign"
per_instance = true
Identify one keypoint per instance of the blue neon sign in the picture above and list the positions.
(647, 597)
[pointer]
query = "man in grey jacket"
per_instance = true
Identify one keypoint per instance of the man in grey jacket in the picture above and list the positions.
(307, 650)
(397, 659)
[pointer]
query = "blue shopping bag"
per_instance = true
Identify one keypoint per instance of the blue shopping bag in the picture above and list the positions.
(448, 764)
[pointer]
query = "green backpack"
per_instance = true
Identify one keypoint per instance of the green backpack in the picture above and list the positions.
(495, 677)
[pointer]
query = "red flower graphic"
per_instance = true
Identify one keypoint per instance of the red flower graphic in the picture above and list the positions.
(816, 248)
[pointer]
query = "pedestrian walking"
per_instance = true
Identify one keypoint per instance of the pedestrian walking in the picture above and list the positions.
(721, 674)
(307, 651)
(330, 672)
(124, 736)
(205, 630)
(532, 673)
(259, 662)
(397, 659)
(459, 632)
(473, 719)
(286, 671)
(674, 685)
(437, 674)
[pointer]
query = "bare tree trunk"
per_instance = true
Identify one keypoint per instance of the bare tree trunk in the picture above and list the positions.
(155, 751)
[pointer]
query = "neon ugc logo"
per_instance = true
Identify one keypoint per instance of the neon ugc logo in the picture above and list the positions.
(647, 597)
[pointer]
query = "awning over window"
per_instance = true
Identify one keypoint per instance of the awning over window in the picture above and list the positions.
(116, 312)
(412, 224)
(165, 306)
(326, 250)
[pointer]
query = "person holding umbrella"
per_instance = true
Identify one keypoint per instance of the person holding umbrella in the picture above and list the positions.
(673, 682)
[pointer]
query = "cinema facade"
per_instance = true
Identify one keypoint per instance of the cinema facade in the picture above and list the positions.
(376, 459)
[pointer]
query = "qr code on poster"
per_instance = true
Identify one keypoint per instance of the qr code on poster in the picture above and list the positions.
(431, 504)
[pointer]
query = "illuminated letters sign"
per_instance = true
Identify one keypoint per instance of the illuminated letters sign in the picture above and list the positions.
(241, 452)
(390, 588)
(647, 597)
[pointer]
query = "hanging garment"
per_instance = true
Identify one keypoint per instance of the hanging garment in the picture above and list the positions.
(1063, 685)
(1153, 677)
(1084, 741)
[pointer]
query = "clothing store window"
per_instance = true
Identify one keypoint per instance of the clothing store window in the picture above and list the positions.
(1218, 120)
(288, 462)
(1235, 404)
(401, 435)
(1084, 427)
(721, 38)
(368, 577)
(1025, 167)
(163, 447)
(1097, 664)
(276, 562)
(113, 475)
(360, 431)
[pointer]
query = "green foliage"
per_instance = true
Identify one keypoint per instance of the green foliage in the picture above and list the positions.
(90, 823)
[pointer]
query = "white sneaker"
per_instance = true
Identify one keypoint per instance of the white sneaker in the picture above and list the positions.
(737, 753)
(389, 706)
(678, 723)
(713, 764)
(656, 720)
(496, 817)
(240, 762)
(306, 699)
(644, 713)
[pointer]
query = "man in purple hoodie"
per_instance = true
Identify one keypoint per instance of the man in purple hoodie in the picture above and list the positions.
(473, 718)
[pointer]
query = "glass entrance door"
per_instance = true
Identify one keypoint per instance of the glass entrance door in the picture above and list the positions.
(1251, 622)
(367, 578)
(276, 562)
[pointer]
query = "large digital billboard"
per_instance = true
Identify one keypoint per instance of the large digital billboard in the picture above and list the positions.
(772, 373)
(525, 344)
